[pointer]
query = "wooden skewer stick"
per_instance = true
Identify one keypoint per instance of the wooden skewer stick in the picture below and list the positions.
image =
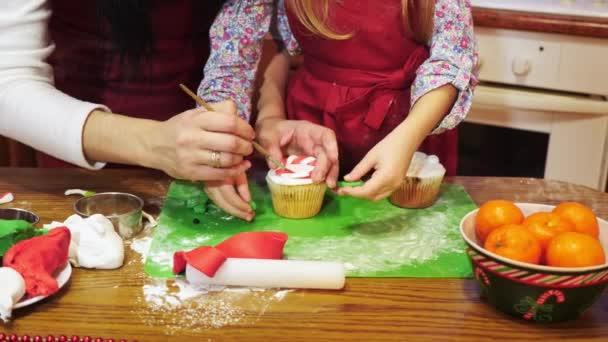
(257, 146)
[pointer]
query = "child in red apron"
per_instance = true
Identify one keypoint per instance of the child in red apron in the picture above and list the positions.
(360, 67)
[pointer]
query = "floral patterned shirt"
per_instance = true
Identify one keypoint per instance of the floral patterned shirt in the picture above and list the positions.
(239, 29)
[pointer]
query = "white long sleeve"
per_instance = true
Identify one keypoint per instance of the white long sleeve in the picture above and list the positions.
(32, 111)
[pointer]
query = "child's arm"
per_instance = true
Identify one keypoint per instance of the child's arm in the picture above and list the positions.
(276, 133)
(236, 39)
(441, 98)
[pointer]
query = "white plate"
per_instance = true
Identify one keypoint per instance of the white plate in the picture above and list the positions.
(62, 278)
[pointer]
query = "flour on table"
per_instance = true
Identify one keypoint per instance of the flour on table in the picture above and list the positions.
(181, 306)
(142, 246)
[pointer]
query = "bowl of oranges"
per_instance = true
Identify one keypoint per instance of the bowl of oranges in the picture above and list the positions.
(539, 262)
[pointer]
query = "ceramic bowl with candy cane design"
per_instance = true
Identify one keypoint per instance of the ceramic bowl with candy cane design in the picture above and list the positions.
(534, 292)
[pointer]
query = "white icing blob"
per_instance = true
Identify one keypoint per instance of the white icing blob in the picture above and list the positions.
(423, 166)
(300, 171)
(12, 288)
(94, 243)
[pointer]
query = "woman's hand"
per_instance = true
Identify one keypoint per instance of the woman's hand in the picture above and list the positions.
(198, 145)
(390, 160)
(280, 136)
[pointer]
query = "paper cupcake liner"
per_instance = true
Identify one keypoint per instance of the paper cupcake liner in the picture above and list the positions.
(417, 193)
(296, 201)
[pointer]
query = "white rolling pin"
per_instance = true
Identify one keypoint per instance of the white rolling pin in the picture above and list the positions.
(268, 273)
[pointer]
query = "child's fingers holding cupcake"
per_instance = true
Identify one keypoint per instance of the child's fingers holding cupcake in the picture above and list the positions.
(387, 177)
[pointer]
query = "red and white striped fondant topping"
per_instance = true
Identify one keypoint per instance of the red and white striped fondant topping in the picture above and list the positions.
(298, 170)
(6, 197)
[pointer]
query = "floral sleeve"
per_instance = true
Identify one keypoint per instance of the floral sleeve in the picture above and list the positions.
(236, 38)
(452, 59)
(284, 31)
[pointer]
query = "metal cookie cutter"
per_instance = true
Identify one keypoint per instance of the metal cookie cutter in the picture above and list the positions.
(18, 214)
(123, 209)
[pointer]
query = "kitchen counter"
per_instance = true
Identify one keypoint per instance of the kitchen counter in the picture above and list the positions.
(113, 304)
(537, 22)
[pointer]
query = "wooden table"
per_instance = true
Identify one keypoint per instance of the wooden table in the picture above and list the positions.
(110, 304)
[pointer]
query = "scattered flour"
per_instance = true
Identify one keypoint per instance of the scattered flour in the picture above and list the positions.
(142, 246)
(182, 307)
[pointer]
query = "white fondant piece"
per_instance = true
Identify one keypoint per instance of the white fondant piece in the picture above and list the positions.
(94, 243)
(12, 289)
(300, 172)
(424, 166)
(264, 273)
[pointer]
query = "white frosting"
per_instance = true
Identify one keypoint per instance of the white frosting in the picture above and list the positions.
(12, 289)
(423, 166)
(94, 243)
(300, 172)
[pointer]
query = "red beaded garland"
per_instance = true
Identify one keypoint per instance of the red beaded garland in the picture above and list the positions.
(13, 338)
(25, 338)
(99, 339)
(86, 339)
(50, 338)
(37, 338)
(2, 337)
(75, 339)
(63, 338)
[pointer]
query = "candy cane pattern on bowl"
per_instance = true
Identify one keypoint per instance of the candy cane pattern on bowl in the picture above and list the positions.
(535, 293)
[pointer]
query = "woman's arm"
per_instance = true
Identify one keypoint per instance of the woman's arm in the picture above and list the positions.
(31, 109)
(34, 112)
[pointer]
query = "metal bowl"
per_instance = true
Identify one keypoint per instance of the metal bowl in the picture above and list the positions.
(18, 214)
(123, 209)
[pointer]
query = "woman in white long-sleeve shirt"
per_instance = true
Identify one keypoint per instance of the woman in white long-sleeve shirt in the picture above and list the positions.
(67, 67)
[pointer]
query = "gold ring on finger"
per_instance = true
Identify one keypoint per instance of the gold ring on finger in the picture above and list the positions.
(215, 159)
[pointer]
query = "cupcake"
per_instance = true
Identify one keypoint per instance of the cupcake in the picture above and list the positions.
(294, 195)
(422, 182)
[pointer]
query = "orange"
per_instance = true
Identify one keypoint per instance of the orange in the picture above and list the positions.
(515, 242)
(583, 218)
(573, 249)
(494, 214)
(545, 226)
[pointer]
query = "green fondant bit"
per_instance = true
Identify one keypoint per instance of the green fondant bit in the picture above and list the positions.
(254, 206)
(200, 209)
(13, 231)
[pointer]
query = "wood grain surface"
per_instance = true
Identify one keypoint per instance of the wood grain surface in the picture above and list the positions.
(111, 304)
(537, 22)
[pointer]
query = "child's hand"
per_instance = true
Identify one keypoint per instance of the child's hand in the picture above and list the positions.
(390, 158)
(302, 137)
(232, 195)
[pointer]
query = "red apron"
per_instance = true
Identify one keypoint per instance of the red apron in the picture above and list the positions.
(360, 87)
(87, 67)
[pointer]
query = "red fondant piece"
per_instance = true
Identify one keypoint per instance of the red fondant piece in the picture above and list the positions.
(250, 245)
(205, 259)
(254, 245)
(36, 259)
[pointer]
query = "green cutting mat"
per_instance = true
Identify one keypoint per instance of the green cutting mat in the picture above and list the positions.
(373, 239)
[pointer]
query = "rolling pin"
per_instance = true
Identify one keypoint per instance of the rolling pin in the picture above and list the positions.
(269, 273)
